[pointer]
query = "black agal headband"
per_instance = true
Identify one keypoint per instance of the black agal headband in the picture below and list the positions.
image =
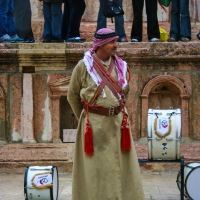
(106, 35)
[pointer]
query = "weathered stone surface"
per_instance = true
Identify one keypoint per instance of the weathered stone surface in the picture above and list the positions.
(69, 135)
(51, 66)
(14, 157)
(195, 106)
(27, 109)
(14, 111)
(42, 123)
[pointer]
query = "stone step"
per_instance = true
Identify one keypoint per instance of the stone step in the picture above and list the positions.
(16, 157)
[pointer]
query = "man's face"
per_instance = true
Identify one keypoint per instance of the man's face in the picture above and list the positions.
(110, 48)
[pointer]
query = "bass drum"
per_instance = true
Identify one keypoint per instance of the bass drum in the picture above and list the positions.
(41, 183)
(191, 181)
(164, 134)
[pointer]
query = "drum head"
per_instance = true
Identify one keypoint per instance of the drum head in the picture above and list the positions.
(192, 183)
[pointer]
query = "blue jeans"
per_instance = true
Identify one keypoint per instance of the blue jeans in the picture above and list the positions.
(180, 19)
(7, 25)
(73, 12)
(119, 21)
(52, 20)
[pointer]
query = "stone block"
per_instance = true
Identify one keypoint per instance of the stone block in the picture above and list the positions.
(69, 135)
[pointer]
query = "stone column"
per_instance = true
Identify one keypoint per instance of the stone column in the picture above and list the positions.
(144, 115)
(56, 118)
(2, 119)
(27, 109)
(185, 116)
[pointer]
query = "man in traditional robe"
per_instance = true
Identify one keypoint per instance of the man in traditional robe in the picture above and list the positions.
(105, 162)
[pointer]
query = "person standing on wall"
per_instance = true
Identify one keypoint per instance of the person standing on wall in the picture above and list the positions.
(105, 161)
(180, 28)
(7, 26)
(22, 18)
(52, 11)
(119, 22)
(73, 12)
(152, 20)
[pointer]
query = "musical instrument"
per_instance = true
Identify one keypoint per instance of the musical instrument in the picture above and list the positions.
(164, 134)
(191, 181)
(41, 183)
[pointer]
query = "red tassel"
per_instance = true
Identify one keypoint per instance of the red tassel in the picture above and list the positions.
(125, 135)
(88, 146)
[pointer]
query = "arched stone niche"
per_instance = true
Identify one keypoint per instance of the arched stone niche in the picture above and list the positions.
(62, 114)
(2, 116)
(165, 91)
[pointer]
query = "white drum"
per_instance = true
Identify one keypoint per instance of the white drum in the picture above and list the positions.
(191, 181)
(41, 183)
(164, 134)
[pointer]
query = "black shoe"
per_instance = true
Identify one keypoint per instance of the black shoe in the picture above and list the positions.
(75, 39)
(134, 40)
(29, 40)
(154, 40)
(184, 39)
(198, 35)
(46, 41)
(171, 39)
(32, 40)
(122, 39)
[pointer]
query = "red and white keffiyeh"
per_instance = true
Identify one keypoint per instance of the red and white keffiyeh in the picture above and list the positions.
(102, 37)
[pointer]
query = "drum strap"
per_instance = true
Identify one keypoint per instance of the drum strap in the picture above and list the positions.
(112, 84)
(106, 77)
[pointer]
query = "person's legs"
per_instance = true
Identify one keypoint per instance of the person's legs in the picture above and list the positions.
(47, 34)
(3, 17)
(119, 24)
(152, 19)
(185, 30)
(10, 18)
(77, 8)
(22, 18)
(136, 32)
(175, 20)
(65, 21)
(101, 20)
(56, 20)
(119, 27)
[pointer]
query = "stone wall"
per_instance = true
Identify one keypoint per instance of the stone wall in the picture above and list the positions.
(34, 81)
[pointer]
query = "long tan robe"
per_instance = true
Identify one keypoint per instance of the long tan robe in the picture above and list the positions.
(109, 174)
